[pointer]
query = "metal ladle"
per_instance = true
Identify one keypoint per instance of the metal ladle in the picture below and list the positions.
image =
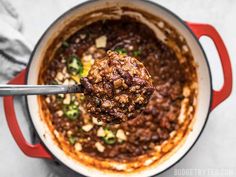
(7, 90)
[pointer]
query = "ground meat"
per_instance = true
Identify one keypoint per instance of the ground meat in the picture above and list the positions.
(117, 88)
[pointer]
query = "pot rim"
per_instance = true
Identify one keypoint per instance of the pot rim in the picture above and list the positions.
(91, 1)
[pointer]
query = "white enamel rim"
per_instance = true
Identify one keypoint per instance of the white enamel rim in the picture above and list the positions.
(204, 80)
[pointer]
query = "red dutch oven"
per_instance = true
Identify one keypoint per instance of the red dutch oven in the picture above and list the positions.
(208, 98)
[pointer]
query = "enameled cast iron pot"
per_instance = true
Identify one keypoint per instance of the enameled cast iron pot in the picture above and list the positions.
(208, 98)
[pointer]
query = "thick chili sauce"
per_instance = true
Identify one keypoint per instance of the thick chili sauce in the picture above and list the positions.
(135, 137)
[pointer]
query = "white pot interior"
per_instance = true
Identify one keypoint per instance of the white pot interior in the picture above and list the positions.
(204, 95)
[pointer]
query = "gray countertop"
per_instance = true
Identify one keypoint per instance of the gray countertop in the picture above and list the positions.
(213, 154)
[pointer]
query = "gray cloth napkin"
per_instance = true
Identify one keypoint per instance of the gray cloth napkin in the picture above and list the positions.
(14, 55)
(14, 49)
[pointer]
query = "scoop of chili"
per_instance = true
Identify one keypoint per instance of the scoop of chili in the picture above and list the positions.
(117, 88)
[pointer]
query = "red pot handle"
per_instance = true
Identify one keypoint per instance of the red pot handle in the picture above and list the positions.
(208, 30)
(36, 150)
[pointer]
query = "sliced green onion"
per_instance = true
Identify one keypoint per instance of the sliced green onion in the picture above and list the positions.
(109, 140)
(71, 111)
(75, 67)
(109, 137)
